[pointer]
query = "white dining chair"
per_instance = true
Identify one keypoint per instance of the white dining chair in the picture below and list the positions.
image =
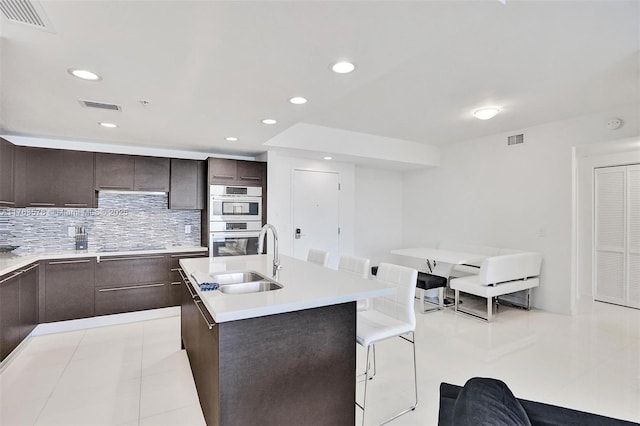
(390, 316)
(357, 266)
(320, 257)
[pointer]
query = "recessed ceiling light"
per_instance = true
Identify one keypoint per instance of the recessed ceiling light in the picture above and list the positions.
(343, 67)
(298, 100)
(486, 113)
(328, 158)
(269, 121)
(84, 74)
(109, 125)
(231, 138)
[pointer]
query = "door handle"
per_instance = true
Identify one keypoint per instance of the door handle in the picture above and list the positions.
(298, 233)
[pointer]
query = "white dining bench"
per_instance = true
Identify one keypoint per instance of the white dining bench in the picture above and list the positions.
(499, 275)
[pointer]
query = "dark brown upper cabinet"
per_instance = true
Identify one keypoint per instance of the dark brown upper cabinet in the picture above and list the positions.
(132, 173)
(114, 171)
(151, 174)
(188, 184)
(7, 194)
(237, 172)
(54, 178)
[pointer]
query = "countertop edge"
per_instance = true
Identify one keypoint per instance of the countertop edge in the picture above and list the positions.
(251, 310)
(23, 260)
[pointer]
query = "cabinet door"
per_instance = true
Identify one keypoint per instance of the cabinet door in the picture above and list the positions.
(58, 178)
(187, 189)
(7, 150)
(250, 173)
(206, 367)
(222, 171)
(188, 321)
(9, 314)
(151, 174)
(69, 289)
(41, 177)
(200, 338)
(114, 171)
(75, 186)
(28, 300)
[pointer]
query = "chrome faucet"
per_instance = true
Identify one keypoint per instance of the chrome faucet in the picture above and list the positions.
(276, 258)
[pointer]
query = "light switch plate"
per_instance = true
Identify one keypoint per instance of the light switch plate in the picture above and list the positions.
(187, 229)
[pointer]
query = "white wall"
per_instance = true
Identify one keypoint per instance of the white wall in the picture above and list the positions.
(378, 213)
(516, 197)
(279, 203)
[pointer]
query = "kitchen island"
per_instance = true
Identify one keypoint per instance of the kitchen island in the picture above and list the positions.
(279, 357)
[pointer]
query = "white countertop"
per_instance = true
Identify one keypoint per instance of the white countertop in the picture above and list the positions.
(10, 264)
(305, 286)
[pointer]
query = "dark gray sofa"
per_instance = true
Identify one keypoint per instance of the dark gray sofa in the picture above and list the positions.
(538, 413)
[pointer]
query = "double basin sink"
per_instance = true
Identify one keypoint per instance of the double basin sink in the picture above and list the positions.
(244, 282)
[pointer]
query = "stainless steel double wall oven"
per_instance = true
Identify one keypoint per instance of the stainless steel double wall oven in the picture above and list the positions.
(235, 220)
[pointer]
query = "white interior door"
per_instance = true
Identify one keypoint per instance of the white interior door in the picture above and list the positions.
(316, 213)
(617, 235)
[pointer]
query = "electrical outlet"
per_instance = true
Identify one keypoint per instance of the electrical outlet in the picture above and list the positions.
(187, 229)
(71, 231)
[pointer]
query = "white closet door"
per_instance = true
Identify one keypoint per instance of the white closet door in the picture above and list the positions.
(610, 194)
(633, 242)
(617, 235)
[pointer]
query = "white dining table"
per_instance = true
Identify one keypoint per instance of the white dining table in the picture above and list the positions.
(439, 262)
(445, 260)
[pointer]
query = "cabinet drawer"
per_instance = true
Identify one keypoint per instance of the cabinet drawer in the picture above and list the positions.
(174, 263)
(175, 280)
(121, 270)
(118, 299)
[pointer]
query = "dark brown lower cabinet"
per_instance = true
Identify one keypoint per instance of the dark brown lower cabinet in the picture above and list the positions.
(131, 283)
(131, 297)
(286, 369)
(18, 307)
(175, 280)
(28, 300)
(69, 289)
(125, 270)
(9, 314)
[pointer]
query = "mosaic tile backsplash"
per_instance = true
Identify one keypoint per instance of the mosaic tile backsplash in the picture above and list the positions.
(122, 221)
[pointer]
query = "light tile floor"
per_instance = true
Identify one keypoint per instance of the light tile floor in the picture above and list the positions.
(136, 374)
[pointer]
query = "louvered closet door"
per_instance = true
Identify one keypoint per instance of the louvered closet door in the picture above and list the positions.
(617, 235)
(609, 232)
(633, 243)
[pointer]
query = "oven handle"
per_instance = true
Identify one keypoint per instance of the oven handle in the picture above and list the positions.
(239, 198)
(236, 234)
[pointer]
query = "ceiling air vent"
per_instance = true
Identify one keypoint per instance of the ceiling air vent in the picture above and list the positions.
(25, 12)
(515, 139)
(101, 105)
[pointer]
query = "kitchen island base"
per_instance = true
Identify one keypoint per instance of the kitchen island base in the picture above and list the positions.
(292, 368)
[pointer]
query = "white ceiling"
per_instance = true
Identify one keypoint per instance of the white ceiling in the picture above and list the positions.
(212, 69)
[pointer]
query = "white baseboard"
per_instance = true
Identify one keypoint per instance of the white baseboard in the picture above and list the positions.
(105, 320)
